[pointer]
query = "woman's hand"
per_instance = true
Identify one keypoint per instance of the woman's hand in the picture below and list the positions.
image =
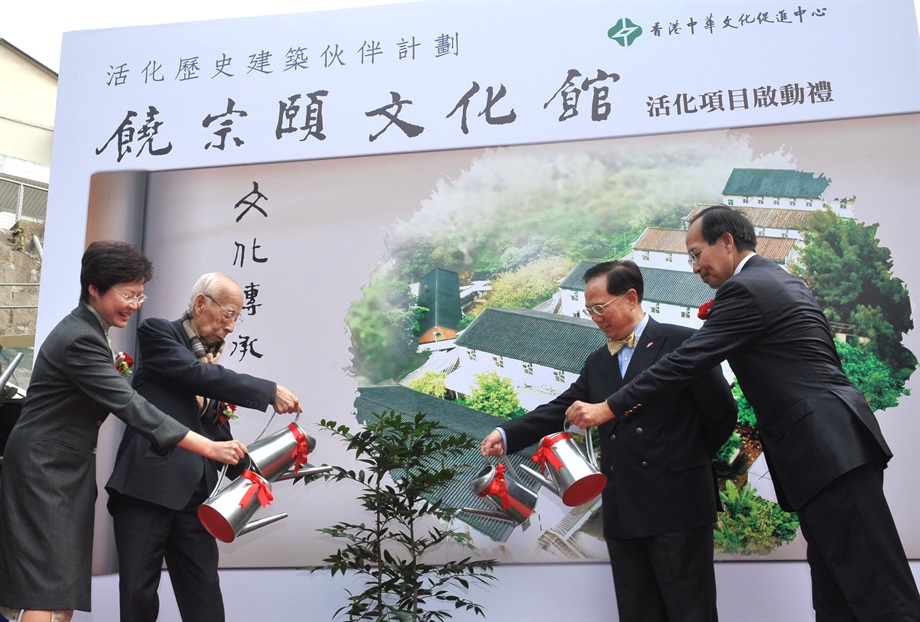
(227, 452)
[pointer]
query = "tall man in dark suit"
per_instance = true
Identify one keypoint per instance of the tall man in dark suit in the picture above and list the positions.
(659, 504)
(154, 497)
(821, 440)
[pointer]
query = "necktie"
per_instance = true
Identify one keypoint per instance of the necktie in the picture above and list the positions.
(615, 345)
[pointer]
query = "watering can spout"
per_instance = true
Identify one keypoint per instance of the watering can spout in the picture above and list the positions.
(498, 486)
(262, 522)
(544, 481)
(309, 471)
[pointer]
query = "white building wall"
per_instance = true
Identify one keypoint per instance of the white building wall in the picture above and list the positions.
(844, 209)
(662, 260)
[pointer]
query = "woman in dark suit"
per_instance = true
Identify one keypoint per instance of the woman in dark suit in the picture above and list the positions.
(48, 489)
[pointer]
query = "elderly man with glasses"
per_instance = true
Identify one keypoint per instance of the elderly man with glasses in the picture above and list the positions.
(660, 501)
(154, 497)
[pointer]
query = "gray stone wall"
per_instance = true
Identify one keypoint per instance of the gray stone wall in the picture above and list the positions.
(20, 273)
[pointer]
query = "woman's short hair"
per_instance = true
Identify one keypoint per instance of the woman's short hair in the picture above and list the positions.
(107, 263)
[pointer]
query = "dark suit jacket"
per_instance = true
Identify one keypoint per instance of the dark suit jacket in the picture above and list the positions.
(169, 376)
(659, 476)
(813, 423)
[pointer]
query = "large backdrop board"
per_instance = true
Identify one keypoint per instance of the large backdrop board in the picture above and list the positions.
(316, 157)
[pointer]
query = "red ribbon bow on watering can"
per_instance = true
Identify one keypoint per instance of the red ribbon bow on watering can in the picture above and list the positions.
(302, 452)
(499, 487)
(259, 487)
(545, 454)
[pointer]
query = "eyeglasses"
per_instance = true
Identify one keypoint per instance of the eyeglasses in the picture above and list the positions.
(598, 309)
(694, 256)
(139, 299)
(229, 313)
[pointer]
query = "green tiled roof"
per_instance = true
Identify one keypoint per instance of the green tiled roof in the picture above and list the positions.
(757, 182)
(459, 419)
(547, 339)
(574, 280)
(674, 287)
(439, 292)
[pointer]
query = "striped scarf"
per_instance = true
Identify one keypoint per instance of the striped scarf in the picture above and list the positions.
(201, 353)
(198, 348)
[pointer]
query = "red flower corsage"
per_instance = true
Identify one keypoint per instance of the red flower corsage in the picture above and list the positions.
(124, 363)
(225, 412)
(703, 313)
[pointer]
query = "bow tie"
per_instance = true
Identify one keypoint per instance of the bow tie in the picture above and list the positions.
(615, 345)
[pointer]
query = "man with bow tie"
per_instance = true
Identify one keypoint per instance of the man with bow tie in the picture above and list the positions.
(822, 442)
(660, 501)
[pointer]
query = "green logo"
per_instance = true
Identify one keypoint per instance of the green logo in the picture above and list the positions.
(625, 32)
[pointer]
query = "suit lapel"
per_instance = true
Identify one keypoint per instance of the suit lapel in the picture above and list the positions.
(647, 350)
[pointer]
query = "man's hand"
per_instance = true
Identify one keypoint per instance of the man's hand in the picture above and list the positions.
(286, 402)
(492, 445)
(585, 415)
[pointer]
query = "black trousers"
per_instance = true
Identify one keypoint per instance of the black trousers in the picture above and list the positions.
(146, 534)
(859, 570)
(665, 578)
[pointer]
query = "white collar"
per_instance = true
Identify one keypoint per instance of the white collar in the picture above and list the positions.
(741, 264)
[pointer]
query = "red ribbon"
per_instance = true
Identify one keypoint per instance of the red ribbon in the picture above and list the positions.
(499, 487)
(302, 452)
(545, 453)
(259, 487)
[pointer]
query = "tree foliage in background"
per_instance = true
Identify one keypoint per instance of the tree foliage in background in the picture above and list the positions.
(383, 331)
(752, 525)
(749, 524)
(510, 209)
(418, 316)
(432, 383)
(466, 320)
(494, 395)
(406, 464)
(530, 284)
(872, 377)
(850, 275)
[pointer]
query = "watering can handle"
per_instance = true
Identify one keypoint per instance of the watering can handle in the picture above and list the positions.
(592, 457)
(589, 443)
(508, 466)
(220, 478)
(269, 422)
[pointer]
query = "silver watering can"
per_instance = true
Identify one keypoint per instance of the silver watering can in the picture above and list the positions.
(573, 476)
(500, 487)
(227, 512)
(272, 456)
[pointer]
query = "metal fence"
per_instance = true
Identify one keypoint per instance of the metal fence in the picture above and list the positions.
(23, 200)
